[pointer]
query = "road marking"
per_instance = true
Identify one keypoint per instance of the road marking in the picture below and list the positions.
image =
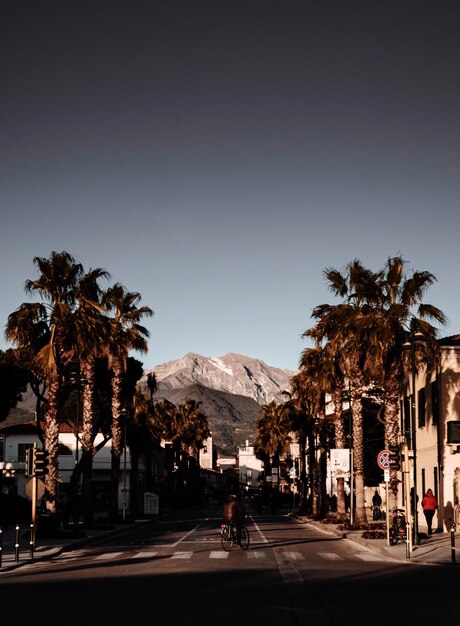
(256, 554)
(145, 555)
(369, 557)
(182, 555)
(293, 556)
(107, 555)
(331, 556)
(218, 554)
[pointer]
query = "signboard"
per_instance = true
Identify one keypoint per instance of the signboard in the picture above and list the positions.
(40, 488)
(340, 462)
(386, 475)
(151, 503)
(383, 459)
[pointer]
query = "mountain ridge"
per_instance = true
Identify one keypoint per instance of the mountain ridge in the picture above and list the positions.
(231, 388)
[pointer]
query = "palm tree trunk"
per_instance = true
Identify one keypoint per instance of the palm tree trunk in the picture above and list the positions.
(51, 442)
(358, 449)
(392, 428)
(117, 443)
(339, 432)
(87, 439)
(303, 470)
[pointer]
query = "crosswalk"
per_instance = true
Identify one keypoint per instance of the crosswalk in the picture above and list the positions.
(187, 555)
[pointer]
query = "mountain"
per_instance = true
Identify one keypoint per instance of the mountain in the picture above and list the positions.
(231, 388)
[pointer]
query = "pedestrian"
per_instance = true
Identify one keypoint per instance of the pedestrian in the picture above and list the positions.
(376, 504)
(429, 506)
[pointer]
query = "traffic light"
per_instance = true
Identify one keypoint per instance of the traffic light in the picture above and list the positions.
(29, 466)
(40, 462)
(395, 458)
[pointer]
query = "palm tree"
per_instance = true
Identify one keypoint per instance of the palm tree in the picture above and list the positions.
(336, 325)
(273, 428)
(126, 334)
(325, 371)
(398, 312)
(43, 326)
(86, 341)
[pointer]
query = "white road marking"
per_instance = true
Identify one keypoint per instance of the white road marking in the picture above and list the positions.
(369, 557)
(107, 555)
(218, 554)
(331, 556)
(182, 555)
(145, 555)
(257, 554)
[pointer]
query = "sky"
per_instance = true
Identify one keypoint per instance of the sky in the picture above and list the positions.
(217, 156)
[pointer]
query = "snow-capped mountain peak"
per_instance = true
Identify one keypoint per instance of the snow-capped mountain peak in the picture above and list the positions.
(232, 373)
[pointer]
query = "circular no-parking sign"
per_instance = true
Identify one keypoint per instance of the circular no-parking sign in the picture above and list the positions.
(383, 459)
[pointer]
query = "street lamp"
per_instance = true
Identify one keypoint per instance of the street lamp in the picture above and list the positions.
(411, 344)
(76, 378)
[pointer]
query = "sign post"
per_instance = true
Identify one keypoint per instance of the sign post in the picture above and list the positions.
(383, 461)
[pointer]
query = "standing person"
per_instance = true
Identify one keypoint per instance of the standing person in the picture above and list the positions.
(376, 504)
(429, 506)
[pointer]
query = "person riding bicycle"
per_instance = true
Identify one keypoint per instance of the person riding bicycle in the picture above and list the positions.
(234, 513)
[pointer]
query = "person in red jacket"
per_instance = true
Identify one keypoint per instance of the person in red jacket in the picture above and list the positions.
(429, 505)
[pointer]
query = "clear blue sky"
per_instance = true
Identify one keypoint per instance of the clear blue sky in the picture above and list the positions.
(217, 156)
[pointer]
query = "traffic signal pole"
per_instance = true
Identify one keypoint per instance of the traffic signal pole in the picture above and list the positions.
(406, 472)
(34, 505)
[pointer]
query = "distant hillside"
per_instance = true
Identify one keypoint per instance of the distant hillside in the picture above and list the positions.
(232, 389)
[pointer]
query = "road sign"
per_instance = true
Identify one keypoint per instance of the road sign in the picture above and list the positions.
(383, 459)
(386, 475)
(40, 488)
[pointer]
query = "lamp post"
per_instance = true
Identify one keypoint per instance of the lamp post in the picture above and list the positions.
(411, 344)
(76, 378)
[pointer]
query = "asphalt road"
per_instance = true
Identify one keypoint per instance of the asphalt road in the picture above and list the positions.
(173, 571)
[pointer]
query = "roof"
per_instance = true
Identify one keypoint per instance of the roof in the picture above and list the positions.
(452, 340)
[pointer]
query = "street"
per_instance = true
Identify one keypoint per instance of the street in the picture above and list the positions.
(173, 570)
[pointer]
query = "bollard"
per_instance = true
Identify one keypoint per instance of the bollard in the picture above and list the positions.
(407, 540)
(1, 546)
(452, 542)
(32, 541)
(16, 545)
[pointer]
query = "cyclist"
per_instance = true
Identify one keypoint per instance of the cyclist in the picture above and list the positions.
(234, 513)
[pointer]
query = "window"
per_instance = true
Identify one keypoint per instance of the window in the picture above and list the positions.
(421, 408)
(434, 402)
(22, 447)
(407, 416)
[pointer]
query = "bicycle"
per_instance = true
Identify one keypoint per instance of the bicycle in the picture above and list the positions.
(398, 527)
(228, 536)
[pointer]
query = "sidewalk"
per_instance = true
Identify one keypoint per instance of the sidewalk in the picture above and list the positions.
(434, 550)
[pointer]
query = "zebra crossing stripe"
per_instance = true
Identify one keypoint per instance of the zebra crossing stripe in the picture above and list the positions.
(256, 554)
(218, 554)
(368, 557)
(182, 555)
(330, 556)
(145, 555)
(293, 556)
(107, 555)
